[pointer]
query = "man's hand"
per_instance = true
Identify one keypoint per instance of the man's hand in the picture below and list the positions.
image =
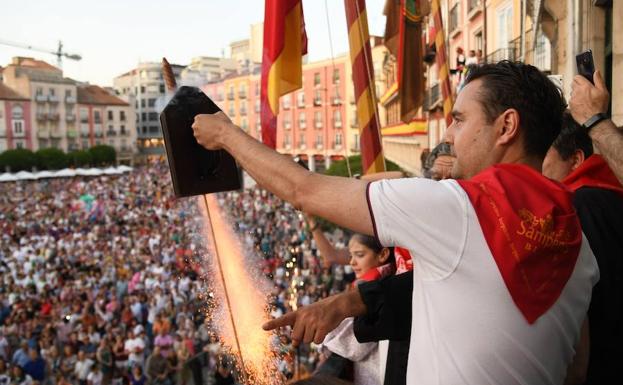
(211, 129)
(587, 99)
(314, 322)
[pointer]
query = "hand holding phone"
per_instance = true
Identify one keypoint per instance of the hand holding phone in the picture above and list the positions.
(586, 65)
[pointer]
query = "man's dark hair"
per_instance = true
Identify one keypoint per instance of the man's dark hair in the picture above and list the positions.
(572, 138)
(523, 87)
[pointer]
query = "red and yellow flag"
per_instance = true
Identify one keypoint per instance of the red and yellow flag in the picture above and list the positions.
(285, 42)
(372, 159)
(442, 62)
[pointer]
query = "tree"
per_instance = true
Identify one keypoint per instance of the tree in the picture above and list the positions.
(18, 160)
(103, 155)
(51, 159)
(340, 168)
(80, 158)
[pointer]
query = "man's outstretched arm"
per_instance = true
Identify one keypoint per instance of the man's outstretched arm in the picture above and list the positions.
(340, 200)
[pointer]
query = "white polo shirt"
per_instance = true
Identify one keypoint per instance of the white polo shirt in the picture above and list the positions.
(465, 328)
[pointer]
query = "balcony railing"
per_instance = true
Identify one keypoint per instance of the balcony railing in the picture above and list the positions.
(70, 99)
(111, 133)
(84, 134)
(287, 125)
(124, 132)
(42, 116)
(70, 117)
(242, 94)
(54, 116)
(56, 133)
(317, 102)
(337, 123)
(43, 133)
(432, 97)
(337, 101)
(502, 54)
(302, 124)
(41, 98)
(319, 146)
(72, 133)
(473, 4)
(52, 98)
(318, 124)
(230, 96)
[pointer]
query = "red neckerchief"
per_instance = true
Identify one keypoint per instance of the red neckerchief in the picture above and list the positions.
(404, 262)
(376, 273)
(593, 172)
(532, 230)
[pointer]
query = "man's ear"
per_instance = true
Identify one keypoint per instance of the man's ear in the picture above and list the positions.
(577, 158)
(508, 126)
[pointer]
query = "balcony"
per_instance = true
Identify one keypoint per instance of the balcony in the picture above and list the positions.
(52, 98)
(336, 101)
(124, 132)
(230, 96)
(432, 97)
(319, 146)
(84, 134)
(353, 121)
(41, 116)
(43, 133)
(318, 124)
(72, 134)
(98, 127)
(474, 7)
(302, 124)
(337, 123)
(502, 54)
(54, 116)
(70, 118)
(73, 146)
(300, 104)
(317, 102)
(242, 94)
(99, 134)
(243, 112)
(70, 99)
(41, 98)
(111, 133)
(287, 125)
(302, 146)
(56, 133)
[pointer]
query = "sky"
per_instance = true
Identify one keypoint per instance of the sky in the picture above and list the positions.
(112, 36)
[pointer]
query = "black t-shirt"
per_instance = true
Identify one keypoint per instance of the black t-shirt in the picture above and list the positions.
(601, 215)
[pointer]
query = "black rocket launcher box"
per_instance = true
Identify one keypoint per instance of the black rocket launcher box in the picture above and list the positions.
(194, 169)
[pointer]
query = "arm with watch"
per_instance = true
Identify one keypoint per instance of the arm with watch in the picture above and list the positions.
(589, 106)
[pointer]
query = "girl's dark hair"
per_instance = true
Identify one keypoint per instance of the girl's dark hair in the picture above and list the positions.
(373, 244)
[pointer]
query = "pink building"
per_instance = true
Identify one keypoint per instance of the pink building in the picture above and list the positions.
(15, 122)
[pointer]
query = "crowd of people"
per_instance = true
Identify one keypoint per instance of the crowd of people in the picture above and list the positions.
(102, 279)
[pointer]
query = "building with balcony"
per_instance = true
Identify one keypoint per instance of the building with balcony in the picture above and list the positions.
(52, 96)
(144, 88)
(105, 119)
(15, 122)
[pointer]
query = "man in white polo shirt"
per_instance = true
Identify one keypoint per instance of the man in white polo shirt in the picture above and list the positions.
(502, 276)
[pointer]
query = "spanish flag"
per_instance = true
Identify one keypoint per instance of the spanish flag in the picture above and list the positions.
(285, 42)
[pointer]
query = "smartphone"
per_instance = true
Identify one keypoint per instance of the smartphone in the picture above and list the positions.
(586, 65)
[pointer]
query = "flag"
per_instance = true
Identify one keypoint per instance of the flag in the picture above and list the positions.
(442, 62)
(285, 42)
(411, 60)
(372, 159)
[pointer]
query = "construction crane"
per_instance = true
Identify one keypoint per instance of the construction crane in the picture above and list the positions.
(59, 53)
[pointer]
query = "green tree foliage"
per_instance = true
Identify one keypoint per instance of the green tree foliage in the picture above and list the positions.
(340, 168)
(80, 158)
(17, 160)
(51, 159)
(103, 155)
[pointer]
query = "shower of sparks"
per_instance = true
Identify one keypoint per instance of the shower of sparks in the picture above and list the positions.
(248, 292)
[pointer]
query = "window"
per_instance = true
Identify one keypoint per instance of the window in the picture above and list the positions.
(18, 127)
(97, 118)
(19, 144)
(318, 119)
(161, 89)
(356, 144)
(257, 105)
(84, 115)
(287, 123)
(17, 112)
(110, 115)
(300, 99)
(286, 141)
(338, 139)
(302, 142)
(302, 120)
(317, 98)
(153, 129)
(286, 102)
(336, 96)
(143, 104)
(242, 90)
(244, 125)
(337, 119)
(122, 116)
(454, 18)
(257, 89)
(317, 79)
(39, 91)
(144, 116)
(336, 76)
(319, 141)
(52, 92)
(151, 102)
(153, 116)
(504, 25)
(68, 93)
(142, 89)
(478, 42)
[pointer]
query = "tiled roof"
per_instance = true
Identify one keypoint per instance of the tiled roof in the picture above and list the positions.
(98, 96)
(7, 93)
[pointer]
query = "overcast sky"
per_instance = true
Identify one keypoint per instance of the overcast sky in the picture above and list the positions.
(114, 35)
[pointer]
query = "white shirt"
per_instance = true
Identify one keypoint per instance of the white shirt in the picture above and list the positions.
(465, 328)
(95, 378)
